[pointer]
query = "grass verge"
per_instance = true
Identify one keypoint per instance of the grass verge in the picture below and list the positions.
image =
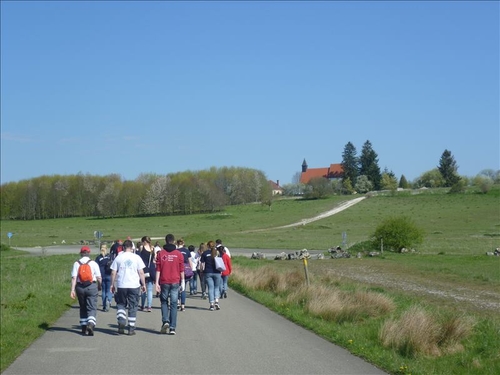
(34, 294)
(398, 332)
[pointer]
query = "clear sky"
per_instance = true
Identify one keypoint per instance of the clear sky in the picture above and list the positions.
(160, 87)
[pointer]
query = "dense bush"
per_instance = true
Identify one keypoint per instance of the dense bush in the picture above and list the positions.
(398, 233)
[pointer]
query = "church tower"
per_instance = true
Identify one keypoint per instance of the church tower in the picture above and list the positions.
(304, 166)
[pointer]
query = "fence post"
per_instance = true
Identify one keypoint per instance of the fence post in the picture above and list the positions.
(305, 270)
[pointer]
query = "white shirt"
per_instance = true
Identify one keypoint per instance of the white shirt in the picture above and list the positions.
(96, 271)
(127, 266)
(195, 258)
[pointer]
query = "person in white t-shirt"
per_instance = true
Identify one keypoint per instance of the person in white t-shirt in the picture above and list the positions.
(193, 282)
(127, 282)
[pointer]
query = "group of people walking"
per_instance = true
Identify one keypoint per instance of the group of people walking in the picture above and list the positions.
(131, 274)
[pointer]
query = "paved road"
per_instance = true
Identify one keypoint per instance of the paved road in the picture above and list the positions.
(242, 338)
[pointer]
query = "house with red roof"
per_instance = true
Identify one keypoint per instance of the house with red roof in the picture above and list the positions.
(333, 172)
(275, 187)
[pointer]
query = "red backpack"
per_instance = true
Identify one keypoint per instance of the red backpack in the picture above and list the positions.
(85, 273)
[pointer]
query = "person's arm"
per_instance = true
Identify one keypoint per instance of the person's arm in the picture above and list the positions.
(73, 285)
(157, 277)
(143, 279)
(113, 277)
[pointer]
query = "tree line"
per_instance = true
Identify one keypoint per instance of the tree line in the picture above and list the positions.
(361, 174)
(85, 195)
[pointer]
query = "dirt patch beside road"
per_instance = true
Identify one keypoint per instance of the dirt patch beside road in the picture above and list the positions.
(471, 297)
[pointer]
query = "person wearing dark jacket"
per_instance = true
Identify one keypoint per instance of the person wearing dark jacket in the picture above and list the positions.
(212, 275)
(148, 257)
(187, 263)
(104, 262)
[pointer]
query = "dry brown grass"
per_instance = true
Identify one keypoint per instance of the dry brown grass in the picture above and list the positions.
(325, 301)
(417, 332)
(267, 278)
(336, 305)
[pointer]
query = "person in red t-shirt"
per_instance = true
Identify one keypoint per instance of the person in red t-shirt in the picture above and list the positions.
(169, 282)
(225, 274)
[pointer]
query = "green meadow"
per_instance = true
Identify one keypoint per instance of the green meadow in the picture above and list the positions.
(459, 230)
(453, 224)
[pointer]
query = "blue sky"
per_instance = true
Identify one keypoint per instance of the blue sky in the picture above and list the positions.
(160, 87)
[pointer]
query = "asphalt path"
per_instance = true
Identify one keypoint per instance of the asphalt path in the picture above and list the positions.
(241, 338)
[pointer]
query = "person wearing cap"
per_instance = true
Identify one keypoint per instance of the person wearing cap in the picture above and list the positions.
(87, 294)
(127, 282)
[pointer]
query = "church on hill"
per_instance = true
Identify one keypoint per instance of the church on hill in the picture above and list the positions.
(333, 172)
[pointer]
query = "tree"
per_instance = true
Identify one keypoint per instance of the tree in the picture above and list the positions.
(349, 163)
(368, 165)
(448, 169)
(347, 186)
(431, 179)
(363, 184)
(320, 188)
(397, 233)
(296, 178)
(389, 181)
(483, 182)
(403, 183)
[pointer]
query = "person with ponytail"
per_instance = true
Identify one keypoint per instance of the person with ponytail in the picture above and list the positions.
(212, 275)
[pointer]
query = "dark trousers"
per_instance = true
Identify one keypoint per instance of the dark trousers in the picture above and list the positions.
(87, 299)
(127, 298)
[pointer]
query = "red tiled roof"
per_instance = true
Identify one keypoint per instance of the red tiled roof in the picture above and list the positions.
(274, 185)
(334, 171)
(306, 176)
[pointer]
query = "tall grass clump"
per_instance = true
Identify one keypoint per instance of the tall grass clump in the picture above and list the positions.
(417, 332)
(332, 304)
(325, 301)
(267, 279)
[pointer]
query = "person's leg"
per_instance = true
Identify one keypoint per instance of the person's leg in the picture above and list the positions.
(143, 300)
(226, 279)
(80, 293)
(221, 286)
(174, 295)
(106, 292)
(149, 286)
(191, 285)
(91, 303)
(133, 303)
(195, 282)
(164, 297)
(183, 299)
(203, 281)
(209, 280)
(121, 305)
(217, 282)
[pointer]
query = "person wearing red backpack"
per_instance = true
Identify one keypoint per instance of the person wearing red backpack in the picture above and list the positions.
(85, 283)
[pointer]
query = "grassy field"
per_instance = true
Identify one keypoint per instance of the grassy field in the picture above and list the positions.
(460, 228)
(453, 224)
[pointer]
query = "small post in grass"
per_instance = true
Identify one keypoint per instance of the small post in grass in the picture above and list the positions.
(305, 269)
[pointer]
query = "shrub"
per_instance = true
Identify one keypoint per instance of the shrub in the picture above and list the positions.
(417, 332)
(397, 233)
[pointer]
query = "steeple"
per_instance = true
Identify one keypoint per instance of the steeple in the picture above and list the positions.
(304, 166)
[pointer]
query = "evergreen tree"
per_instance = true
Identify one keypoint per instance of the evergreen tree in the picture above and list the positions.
(448, 169)
(403, 183)
(368, 165)
(349, 163)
